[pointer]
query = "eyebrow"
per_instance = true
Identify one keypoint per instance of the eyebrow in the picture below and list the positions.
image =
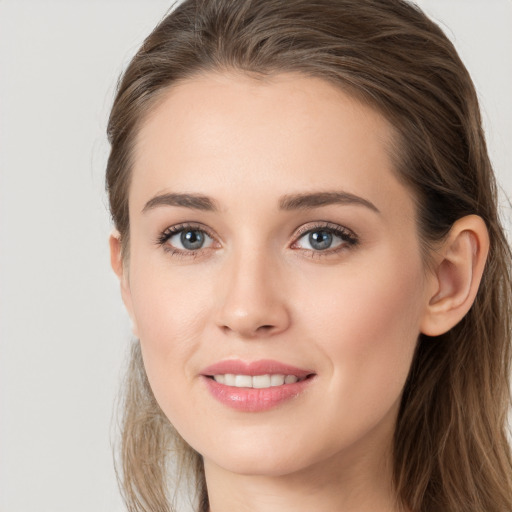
(305, 201)
(315, 200)
(194, 201)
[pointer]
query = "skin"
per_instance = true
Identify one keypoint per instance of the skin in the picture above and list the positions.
(258, 290)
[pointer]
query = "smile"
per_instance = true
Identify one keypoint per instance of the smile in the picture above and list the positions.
(256, 386)
(255, 381)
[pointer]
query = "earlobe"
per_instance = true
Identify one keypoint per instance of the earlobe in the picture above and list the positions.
(118, 266)
(456, 275)
(116, 261)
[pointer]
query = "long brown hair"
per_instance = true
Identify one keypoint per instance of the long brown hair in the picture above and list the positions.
(451, 452)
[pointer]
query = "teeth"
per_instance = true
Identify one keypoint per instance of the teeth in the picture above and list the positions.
(261, 381)
(258, 381)
(277, 380)
(229, 379)
(243, 381)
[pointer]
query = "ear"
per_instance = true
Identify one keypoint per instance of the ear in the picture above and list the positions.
(119, 267)
(456, 276)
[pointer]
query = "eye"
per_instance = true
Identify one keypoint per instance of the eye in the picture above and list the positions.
(185, 239)
(327, 237)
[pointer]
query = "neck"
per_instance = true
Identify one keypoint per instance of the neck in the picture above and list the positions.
(343, 483)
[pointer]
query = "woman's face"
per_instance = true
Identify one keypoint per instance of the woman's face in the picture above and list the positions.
(272, 242)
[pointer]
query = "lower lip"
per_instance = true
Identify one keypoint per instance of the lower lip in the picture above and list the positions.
(253, 399)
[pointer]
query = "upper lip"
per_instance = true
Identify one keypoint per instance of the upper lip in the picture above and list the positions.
(261, 367)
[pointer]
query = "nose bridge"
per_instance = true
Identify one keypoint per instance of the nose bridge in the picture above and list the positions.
(252, 302)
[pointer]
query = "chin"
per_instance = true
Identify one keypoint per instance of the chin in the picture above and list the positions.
(272, 459)
(269, 466)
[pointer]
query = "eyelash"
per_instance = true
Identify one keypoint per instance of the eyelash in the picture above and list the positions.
(179, 228)
(348, 237)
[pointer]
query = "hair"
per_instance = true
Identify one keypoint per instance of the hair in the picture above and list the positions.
(451, 451)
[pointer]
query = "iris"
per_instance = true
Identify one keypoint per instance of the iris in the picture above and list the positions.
(320, 240)
(192, 239)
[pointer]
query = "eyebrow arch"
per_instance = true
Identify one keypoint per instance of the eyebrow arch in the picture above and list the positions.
(194, 201)
(317, 199)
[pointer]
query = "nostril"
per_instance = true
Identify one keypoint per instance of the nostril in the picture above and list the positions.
(265, 328)
(261, 330)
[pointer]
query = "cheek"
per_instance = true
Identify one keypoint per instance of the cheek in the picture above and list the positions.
(170, 313)
(366, 323)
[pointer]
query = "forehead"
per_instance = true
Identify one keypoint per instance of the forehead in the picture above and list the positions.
(283, 134)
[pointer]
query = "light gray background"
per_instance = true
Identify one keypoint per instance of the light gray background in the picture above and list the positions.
(63, 331)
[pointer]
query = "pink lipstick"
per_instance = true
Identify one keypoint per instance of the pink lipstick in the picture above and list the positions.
(255, 386)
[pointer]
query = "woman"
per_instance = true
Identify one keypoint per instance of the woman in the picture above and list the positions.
(308, 245)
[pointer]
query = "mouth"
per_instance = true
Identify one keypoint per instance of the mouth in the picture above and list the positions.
(256, 386)
(257, 381)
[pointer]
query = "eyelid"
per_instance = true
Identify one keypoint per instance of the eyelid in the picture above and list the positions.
(173, 230)
(327, 225)
(347, 235)
(182, 226)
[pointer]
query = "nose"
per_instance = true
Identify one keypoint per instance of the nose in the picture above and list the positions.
(252, 299)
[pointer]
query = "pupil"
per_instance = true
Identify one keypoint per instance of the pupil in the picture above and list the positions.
(320, 240)
(192, 239)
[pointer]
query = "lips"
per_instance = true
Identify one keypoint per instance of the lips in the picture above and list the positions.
(255, 386)
(262, 367)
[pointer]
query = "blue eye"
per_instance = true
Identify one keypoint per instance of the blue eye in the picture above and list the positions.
(325, 238)
(182, 238)
(192, 240)
(320, 240)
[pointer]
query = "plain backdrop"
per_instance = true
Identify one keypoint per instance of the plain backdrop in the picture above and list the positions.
(63, 331)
